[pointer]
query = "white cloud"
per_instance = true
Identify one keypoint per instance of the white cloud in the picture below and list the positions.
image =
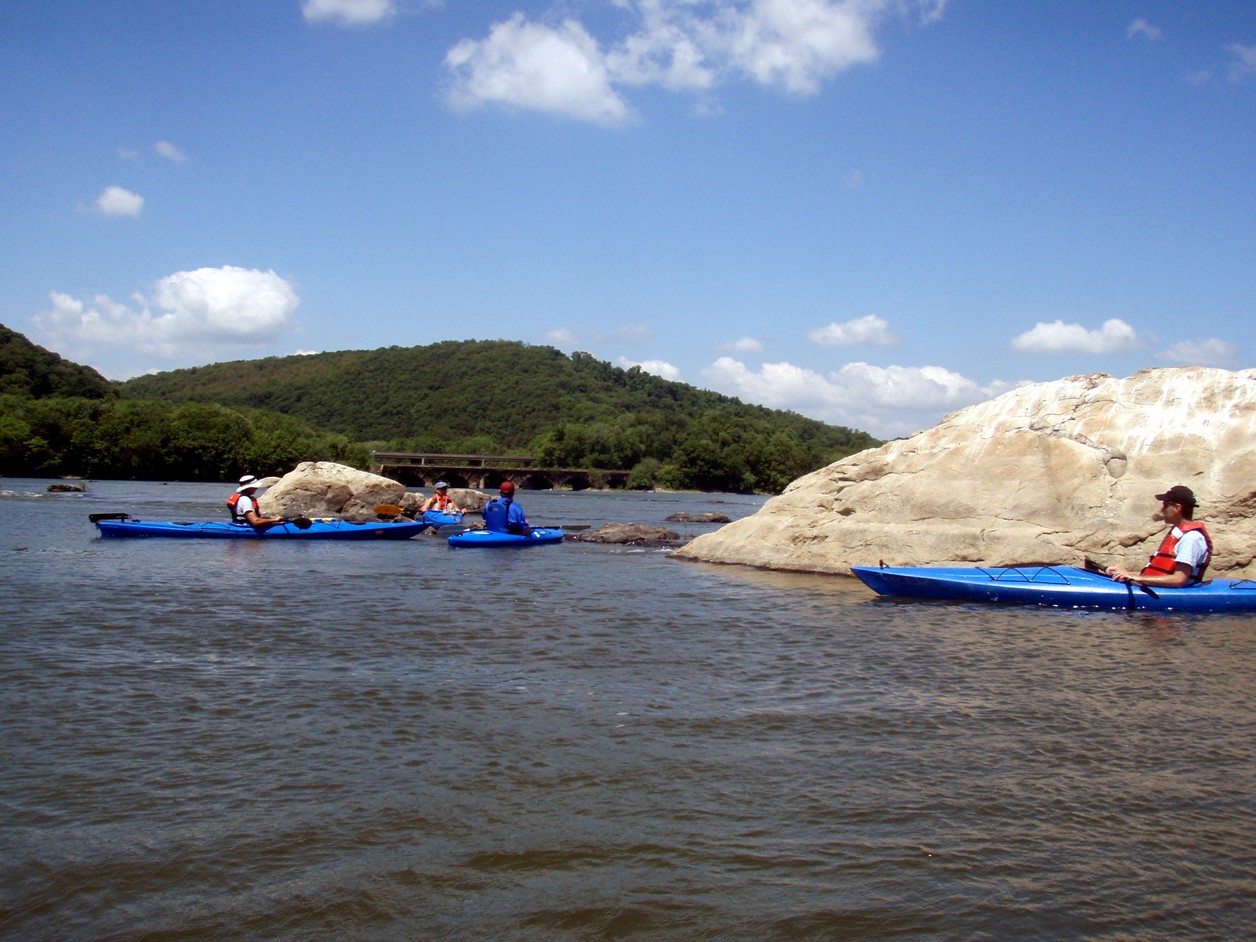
(796, 44)
(526, 65)
(170, 152)
(870, 330)
(348, 12)
(886, 401)
(572, 337)
(1115, 336)
(744, 345)
(682, 45)
(659, 368)
(910, 387)
(1209, 352)
(635, 333)
(662, 53)
(1140, 27)
(776, 385)
(1244, 63)
(190, 315)
(561, 337)
(117, 201)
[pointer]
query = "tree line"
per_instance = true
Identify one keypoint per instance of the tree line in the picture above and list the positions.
(121, 439)
(469, 397)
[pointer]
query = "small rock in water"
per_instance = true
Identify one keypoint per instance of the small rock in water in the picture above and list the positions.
(628, 533)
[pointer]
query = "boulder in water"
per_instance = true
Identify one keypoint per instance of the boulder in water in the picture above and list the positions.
(1046, 473)
(327, 489)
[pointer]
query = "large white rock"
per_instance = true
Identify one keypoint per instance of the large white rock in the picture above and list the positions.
(1045, 473)
(324, 488)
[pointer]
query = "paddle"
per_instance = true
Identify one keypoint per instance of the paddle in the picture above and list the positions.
(1091, 566)
(387, 510)
(301, 523)
(116, 516)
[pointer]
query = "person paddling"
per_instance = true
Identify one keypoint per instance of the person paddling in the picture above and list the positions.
(1184, 553)
(243, 505)
(503, 515)
(440, 501)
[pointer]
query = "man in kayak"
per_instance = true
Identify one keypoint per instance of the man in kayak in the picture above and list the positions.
(441, 502)
(1184, 553)
(243, 505)
(503, 515)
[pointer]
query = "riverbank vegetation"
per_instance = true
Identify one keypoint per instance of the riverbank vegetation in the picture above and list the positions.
(462, 397)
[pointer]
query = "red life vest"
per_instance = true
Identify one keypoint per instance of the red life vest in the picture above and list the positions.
(1164, 562)
(441, 501)
(233, 504)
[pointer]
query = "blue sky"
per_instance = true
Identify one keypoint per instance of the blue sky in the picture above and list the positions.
(872, 212)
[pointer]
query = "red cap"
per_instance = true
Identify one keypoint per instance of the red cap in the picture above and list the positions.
(508, 487)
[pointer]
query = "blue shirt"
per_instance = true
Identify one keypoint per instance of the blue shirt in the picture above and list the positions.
(503, 515)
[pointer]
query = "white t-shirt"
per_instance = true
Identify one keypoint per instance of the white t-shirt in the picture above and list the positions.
(247, 503)
(1191, 549)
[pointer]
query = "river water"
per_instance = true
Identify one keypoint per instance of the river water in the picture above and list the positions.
(379, 741)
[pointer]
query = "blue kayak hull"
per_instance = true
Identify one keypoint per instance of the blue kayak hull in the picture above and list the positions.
(540, 536)
(1060, 586)
(438, 519)
(317, 530)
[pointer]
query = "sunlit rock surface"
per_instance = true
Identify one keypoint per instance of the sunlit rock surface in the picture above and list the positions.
(1045, 473)
(324, 488)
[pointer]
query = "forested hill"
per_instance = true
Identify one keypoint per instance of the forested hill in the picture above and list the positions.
(27, 369)
(505, 396)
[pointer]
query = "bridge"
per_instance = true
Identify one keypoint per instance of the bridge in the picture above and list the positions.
(486, 472)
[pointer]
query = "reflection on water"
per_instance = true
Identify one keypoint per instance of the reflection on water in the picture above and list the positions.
(382, 741)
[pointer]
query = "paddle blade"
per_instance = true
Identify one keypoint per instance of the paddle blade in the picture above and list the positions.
(301, 523)
(117, 516)
(387, 510)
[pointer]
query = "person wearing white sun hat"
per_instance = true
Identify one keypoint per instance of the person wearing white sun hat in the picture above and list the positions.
(243, 505)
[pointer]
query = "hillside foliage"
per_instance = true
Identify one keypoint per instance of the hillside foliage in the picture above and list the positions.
(60, 418)
(27, 369)
(505, 397)
(467, 397)
(122, 439)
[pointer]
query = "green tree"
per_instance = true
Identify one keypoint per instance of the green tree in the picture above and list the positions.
(644, 474)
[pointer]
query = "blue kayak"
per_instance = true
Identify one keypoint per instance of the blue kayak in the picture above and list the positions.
(540, 536)
(438, 518)
(1062, 586)
(115, 525)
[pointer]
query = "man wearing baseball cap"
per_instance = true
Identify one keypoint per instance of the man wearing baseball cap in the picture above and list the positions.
(503, 515)
(1184, 553)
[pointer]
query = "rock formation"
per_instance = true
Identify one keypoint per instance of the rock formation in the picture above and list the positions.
(705, 517)
(641, 533)
(470, 500)
(1045, 473)
(327, 489)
